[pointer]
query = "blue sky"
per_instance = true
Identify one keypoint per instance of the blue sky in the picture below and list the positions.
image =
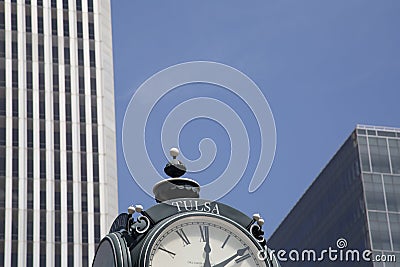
(323, 66)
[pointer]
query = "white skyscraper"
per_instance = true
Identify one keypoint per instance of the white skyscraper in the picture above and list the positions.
(58, 177)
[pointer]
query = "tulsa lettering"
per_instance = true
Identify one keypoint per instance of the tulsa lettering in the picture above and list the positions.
(194, 205)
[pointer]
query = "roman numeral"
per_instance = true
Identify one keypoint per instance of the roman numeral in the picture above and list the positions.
(226, 241)
(172, 254)
(183, 236)
(242, 258)
(204, 233)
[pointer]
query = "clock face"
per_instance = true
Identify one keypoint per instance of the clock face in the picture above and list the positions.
(203, 241)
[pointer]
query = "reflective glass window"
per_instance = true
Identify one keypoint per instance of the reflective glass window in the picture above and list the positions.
(379, 231)
(379, 154)
(392, 190)
(374, 191)
(394, 147)
(395, 229)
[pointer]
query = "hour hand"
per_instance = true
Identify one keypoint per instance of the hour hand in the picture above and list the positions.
(207, 248)
(240, 252)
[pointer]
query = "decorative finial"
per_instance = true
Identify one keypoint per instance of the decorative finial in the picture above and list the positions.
(174, 152)
(174, 168)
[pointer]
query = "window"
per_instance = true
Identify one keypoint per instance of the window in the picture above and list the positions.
(30, 164)
(15, 183)
(71, 255)
(15, 142)
(57, 226)
(83, 167)
(15, 107)
(2, 21)
(2, 109)
(14, 225)
(80, 29)
(67, 83)
(41, 80)
(2, 136)
(2, 161)
(69, 166)
(90, 5)
(2, 202)
(42, 205)
(57, 195)
(28, 50)
(80, 57)
(41, 52)
(95, 168)
(28, 24)
(14, 25)
(93, 86)
(374, 191)
(29, 108)
(395, 228)
(54, 3)
(92, 58)
(394, 147)
(42, 165)
(70, 196)
(379, 154)
(54, 26)
(379, 231)
(91, 30)
(57, 164)
(42, 109)
(81, 85)
(70, 227)
(66, 55)
(40, 24)
(94, 114)
(29, 77)
(392, 190)
(84, 228)
(42, 139)
(56, 114)
(97, 227)
(14, 50)
(2, 48)
(29, 232)
(55, 54)
(15, 78)
(68, 111)
(95, 142)
(57, 254)
(55, 82)
(79, 5)
(82, 112)
(66, 28)
(65, 4)
(84, 197)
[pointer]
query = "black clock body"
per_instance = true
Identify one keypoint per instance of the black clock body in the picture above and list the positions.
(185, 232)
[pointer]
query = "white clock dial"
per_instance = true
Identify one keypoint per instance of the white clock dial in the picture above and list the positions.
(203, 241)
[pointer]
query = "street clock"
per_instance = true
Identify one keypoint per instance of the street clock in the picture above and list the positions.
(184, 230)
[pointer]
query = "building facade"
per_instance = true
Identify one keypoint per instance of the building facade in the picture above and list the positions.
(58, 178)
(356, 197)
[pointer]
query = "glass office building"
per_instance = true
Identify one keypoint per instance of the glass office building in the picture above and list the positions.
(58, 181)
(355, 197)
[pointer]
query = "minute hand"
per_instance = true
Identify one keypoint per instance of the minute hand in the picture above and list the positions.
(240, 252)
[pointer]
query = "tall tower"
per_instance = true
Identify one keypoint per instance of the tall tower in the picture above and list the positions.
(356, 197)
(58, 178)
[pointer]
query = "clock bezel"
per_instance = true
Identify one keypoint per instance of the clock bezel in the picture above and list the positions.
(153, 235)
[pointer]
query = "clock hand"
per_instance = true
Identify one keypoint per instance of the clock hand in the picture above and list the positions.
(207, 248)
(240, 252)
